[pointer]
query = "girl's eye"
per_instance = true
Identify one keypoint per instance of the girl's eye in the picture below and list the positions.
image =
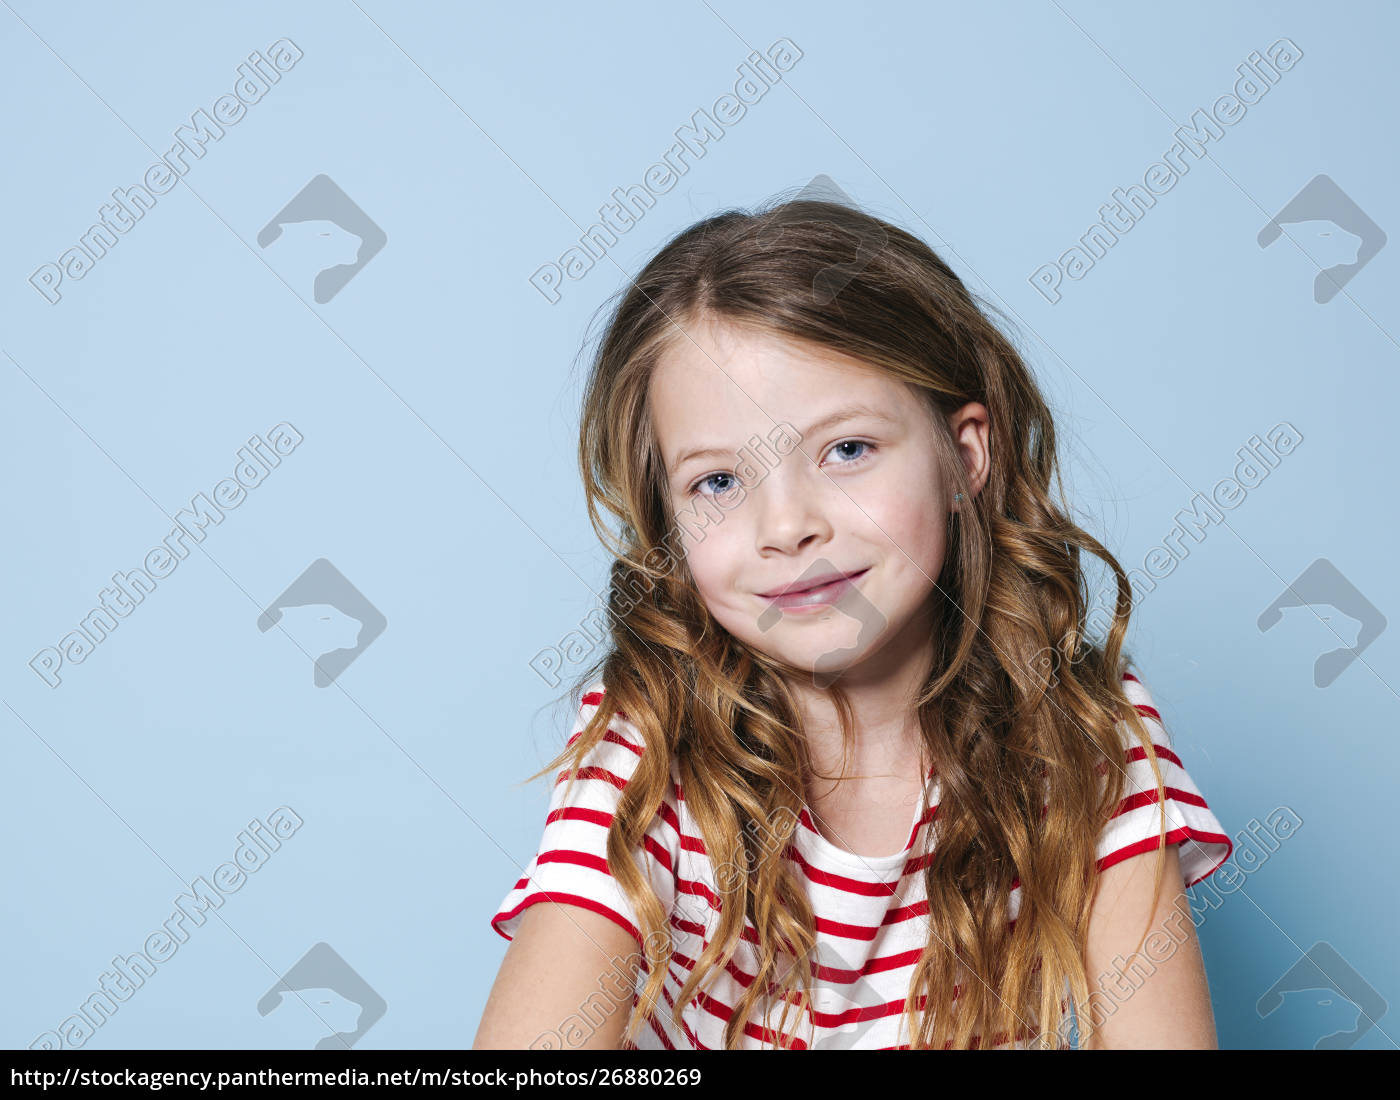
(728, 479)
(729, 482)
(851, 459)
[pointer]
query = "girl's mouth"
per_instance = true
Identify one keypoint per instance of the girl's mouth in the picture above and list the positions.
(821, 596)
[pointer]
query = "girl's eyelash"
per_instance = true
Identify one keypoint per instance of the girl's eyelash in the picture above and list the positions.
(870, 448)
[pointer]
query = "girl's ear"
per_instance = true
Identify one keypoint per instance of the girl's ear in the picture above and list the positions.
(971, 429)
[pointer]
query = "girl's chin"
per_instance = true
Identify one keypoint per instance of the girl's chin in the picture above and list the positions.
(822, 667)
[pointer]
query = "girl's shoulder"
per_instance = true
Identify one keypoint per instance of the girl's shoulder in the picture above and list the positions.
(620, 729)
(1141, 698)
(619, 749)
(571, 863)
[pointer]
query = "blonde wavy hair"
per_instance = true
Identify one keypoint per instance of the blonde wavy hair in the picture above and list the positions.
(1021, 707)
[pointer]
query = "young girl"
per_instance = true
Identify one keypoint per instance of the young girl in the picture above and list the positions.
(851, 773)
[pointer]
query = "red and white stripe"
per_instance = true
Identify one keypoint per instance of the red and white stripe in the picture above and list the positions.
(869, 911)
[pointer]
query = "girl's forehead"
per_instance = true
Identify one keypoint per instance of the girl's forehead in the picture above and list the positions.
(705, 363)
(715, 380)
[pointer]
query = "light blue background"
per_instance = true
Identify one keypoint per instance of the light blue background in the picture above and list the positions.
(437, 397)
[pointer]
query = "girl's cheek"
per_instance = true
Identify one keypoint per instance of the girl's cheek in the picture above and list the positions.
(717, 563)
(703, 562)
(910, 534)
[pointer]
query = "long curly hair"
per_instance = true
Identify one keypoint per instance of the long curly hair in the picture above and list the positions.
(1020, 710)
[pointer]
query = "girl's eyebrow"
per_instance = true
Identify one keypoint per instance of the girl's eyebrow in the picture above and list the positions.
(850, 412)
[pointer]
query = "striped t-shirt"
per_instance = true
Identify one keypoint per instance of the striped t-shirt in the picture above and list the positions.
(868, 909)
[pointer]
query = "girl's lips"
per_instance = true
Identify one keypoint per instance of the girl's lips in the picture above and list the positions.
(821, 596)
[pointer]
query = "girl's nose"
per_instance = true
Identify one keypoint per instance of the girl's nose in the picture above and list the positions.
(791, 510)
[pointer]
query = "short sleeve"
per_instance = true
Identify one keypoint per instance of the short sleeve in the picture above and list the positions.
(571, 863)
(1136, 825)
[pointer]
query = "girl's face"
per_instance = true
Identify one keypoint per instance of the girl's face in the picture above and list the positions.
(867, 500)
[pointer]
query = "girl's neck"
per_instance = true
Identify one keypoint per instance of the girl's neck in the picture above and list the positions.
(888, 739)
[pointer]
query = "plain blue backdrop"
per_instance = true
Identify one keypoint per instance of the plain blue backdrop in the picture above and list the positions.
(436, 396)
